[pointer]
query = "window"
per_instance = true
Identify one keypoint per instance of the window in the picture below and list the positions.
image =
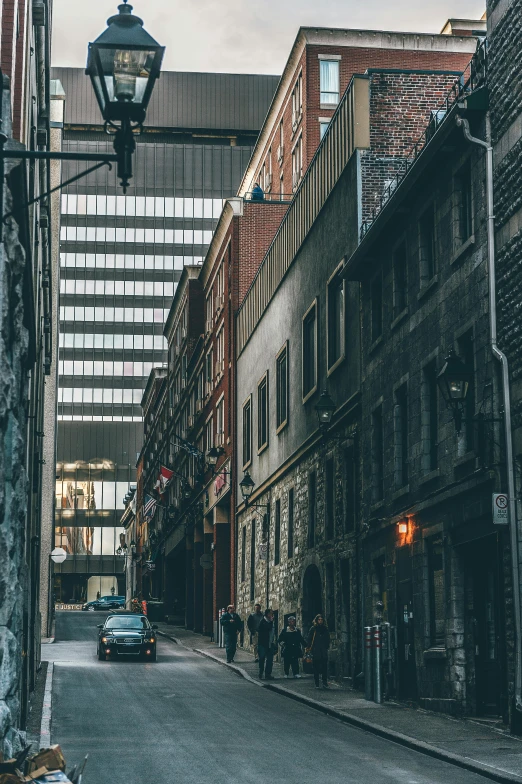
(282, 388)
(329, 81)
(377, 455)
(247, 432)
(208, 372)
(400, 278)
(281, 187)
(429, 418)
(465, 350)
(330, 596)
(335, 315)
(329, 506)
(350, 489)
(209, 310)
(310, 351)
(277, 532)
(436, 591)
(220, 422)
(243, 554)
(252, 559)
(297, 102)
(400, 424)
(220, 288)
(280, 150)
(262, 413)
(323, 127)
(220, 353)
(297, 162)
(311, 508)
(290, 538)
(209, 433)
(463, 192)
(376, 307)
(427, 246)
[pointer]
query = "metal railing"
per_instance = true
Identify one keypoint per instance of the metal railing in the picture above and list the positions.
(474, 76)
(268, 197)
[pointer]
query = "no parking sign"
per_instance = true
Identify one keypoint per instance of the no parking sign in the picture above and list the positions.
(500, 509)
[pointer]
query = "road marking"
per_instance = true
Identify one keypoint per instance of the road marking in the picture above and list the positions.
(45, 727)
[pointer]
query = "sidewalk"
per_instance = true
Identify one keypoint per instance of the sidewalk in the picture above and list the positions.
(480, 747)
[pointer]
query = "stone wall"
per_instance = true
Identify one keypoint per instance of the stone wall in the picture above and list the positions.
(14, 487)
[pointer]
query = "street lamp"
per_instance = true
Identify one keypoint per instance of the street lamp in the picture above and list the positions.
(213, 455)
(325, 410)
(453, 380)
(246, 486)
(123, 64)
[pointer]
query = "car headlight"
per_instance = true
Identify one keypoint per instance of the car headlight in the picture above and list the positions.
(152, 639)
(107, 639)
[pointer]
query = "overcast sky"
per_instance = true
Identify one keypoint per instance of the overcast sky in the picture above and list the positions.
(243, 36)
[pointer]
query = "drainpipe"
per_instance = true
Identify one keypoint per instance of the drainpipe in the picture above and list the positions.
(501, 357)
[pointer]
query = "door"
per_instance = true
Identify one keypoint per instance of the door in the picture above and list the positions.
(486, 628)
(407, 670)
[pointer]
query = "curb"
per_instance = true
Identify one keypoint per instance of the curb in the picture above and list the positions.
(503, 777)
(45, 727)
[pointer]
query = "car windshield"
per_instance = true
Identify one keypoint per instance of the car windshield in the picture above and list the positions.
(127, 622)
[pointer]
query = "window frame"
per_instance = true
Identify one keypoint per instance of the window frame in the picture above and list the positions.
(458, 241)
(247, 402)
(331, 59)
(281, 424)
(261, 446)
(313, 389)
(335, 279)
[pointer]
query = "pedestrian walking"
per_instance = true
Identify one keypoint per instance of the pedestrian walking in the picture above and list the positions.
(232, 625)
(318, 644)
(292, 643)
(266, 645)
(253, 621)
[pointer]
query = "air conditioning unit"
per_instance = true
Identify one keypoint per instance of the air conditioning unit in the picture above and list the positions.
(183, 333)
(199, 406)
(280, 153)
(208, 327)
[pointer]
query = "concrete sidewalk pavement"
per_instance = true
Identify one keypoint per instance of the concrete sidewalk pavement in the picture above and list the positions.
(482, 747)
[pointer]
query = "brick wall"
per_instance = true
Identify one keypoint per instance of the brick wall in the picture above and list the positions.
(257, 228)
(15, 20)
(353, 61)
(400, 108)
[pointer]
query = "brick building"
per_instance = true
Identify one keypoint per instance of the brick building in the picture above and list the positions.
(504, 50)
(191, 429)
(319, 68)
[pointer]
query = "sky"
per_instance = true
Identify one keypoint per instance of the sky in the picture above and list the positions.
(242, 36)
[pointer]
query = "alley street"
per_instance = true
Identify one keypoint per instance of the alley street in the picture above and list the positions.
(189, 720)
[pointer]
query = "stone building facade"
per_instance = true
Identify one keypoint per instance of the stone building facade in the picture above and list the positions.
(504, 50)
(300, 536)
(26, 350)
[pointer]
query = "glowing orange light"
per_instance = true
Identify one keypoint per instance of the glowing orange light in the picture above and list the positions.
(403, 527)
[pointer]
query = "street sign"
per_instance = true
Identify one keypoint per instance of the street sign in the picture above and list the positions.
(206, 561)
(500, 509)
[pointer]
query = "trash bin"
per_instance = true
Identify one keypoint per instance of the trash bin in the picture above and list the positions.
(155, 611)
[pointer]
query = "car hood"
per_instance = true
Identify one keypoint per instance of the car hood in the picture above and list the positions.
(124, 633)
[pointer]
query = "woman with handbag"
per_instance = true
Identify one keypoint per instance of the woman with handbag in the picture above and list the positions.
(318, 645)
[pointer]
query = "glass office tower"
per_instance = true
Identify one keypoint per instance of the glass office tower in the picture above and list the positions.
(121, 257)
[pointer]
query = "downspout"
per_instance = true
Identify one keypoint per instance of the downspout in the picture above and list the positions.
(501, 357)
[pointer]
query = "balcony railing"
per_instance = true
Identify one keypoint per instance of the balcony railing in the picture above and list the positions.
(268, 197)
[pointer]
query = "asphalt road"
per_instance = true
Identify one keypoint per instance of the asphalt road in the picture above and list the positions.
(188, 720)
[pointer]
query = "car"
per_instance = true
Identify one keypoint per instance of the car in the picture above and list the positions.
(127, 634)
(105, 603)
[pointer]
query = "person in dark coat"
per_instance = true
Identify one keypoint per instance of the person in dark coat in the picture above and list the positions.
(318, 644)
(292, 643)
(257, 193)
(253, 621)
(232, 624)
(266, 646)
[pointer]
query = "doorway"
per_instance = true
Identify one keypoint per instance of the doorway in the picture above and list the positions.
(345, 616)
(407, 670)
(486, 626)
(312, 596)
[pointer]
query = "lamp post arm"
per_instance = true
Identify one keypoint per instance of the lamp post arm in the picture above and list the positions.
(47, 155)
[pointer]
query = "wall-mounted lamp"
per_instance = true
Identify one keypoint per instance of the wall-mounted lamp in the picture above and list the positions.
(402, 526)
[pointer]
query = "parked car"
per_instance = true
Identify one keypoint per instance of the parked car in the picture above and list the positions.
(127, 634)
(105, 603)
